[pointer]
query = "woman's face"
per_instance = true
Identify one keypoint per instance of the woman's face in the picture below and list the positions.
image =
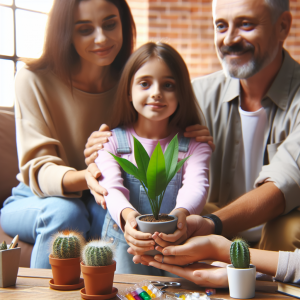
(97, 34)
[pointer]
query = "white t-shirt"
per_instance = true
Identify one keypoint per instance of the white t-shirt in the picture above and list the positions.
(250, 159)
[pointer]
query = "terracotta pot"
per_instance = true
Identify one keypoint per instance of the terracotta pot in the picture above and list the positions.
(98, 280)
(167, 227)
(65, 271)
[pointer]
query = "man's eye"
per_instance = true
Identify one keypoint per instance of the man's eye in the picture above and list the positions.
(220, 27)
(247, 25)
(110, 26)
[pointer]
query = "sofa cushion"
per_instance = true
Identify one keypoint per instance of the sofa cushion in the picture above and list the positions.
(8, 158)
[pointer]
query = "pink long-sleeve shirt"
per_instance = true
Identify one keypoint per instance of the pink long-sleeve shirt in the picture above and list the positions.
(191, 196)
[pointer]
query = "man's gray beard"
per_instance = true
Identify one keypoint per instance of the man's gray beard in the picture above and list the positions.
(244, 71)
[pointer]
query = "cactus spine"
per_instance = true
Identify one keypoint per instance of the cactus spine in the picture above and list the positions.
(3, 246)
(67, 244)
(239, 254)
(98, 253)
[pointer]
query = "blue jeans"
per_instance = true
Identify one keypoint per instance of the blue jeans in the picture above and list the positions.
(36, 219)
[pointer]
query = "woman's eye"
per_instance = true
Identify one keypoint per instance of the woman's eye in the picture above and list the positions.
(110, 26)
(85, 30)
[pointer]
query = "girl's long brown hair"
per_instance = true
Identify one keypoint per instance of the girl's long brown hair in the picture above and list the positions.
(188, 111)
(59, 54)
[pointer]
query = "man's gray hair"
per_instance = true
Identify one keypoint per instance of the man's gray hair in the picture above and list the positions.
(277, 7)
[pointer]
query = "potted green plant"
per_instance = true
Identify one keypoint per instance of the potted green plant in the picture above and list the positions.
(241, 274)
(98, 268)
(65, 260)
(9, 263)
(154, 174)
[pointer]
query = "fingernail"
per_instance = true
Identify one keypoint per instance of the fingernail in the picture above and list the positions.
(132, 224)
(152, 243)
(95, 154)
(151, 248)
(166, 252)
(149, 236)
(157, 258)
(180, 225)
(99, 147)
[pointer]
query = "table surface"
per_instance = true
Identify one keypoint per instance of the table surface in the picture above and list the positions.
(34, 284)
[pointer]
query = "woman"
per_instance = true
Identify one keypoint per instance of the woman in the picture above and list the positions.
(60, 99)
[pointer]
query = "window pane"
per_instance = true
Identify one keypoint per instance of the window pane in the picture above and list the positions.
(20, 64)
(6, 2)
(7, 71)
(6, 31)
(30, 33)
(38, 5)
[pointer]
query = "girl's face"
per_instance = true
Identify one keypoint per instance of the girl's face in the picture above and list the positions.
(153, 91)
(97, 34)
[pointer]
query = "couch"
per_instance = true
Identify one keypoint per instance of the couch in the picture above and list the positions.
(8, 172)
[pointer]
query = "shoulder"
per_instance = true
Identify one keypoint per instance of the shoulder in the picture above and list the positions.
(199, 147)
(209, 81)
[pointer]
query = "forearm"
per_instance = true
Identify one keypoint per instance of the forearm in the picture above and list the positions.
(74, 181)
(265, 261)
(254, 208)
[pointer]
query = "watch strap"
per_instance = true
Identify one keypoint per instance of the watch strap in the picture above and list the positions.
(217, 222)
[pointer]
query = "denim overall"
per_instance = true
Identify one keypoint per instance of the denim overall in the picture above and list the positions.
(140, 202)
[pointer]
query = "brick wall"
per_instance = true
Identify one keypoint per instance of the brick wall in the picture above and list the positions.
(187, 25)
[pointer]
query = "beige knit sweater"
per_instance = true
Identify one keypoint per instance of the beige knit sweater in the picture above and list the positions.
(53, 125)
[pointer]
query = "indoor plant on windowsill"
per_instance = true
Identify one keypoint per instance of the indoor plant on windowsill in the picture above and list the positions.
(154, 174)
(241, 274)
(65, 260)
(98, 268)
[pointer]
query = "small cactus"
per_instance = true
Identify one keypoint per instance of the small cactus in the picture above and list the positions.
(239, 254)
(67, 244)
(3, 246)
(98, 253)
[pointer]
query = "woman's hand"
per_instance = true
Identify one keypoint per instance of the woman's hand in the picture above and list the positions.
(140, 242)
(91, 176)
(201, 134)
(95, 142)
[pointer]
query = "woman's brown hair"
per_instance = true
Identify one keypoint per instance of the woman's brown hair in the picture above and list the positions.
(188, 111)
(59, 54)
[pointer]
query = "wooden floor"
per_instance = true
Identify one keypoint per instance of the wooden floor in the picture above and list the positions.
(34, 284)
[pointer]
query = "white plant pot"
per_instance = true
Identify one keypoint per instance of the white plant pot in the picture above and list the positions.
(241, 282)
(9, 266)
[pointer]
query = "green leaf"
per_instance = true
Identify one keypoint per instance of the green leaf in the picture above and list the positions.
(142, 160)
(156, 173)
(180, 164)
(127, 166)
(171, 158)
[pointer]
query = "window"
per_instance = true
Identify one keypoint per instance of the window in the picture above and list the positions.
(22, 26)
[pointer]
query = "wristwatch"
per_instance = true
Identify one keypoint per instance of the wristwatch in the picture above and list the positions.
(217, 222)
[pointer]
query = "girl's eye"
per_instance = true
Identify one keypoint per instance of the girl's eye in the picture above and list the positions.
(169, 85)
(109, 26)
(144, 84)
(85, 30)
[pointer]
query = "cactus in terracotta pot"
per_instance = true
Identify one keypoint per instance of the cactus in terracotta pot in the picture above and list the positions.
(66, 248)
(98, 266)
(98, 253)
(239, 254)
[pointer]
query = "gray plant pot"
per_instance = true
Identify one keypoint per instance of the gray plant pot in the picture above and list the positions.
(151, 227)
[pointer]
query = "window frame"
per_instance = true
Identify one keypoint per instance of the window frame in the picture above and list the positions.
(14, 57)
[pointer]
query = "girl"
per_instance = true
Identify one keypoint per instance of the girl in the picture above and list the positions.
(155, 100)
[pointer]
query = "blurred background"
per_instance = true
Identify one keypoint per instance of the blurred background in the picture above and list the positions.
(185, 24)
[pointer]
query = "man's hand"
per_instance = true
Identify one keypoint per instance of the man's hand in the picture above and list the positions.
(95, 142)
(201, 134)
(140, 242)
(91, 175)
(200, 273)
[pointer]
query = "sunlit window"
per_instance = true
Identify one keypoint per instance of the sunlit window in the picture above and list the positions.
(22, 27)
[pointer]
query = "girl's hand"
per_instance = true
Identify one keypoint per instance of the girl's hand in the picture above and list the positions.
(91, 175)
(140, 242)
(201, 134)
(95, 142)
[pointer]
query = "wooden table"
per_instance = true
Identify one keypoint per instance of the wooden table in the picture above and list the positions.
(34, 284)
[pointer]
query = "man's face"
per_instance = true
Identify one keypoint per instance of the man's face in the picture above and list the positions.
(245, 36)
